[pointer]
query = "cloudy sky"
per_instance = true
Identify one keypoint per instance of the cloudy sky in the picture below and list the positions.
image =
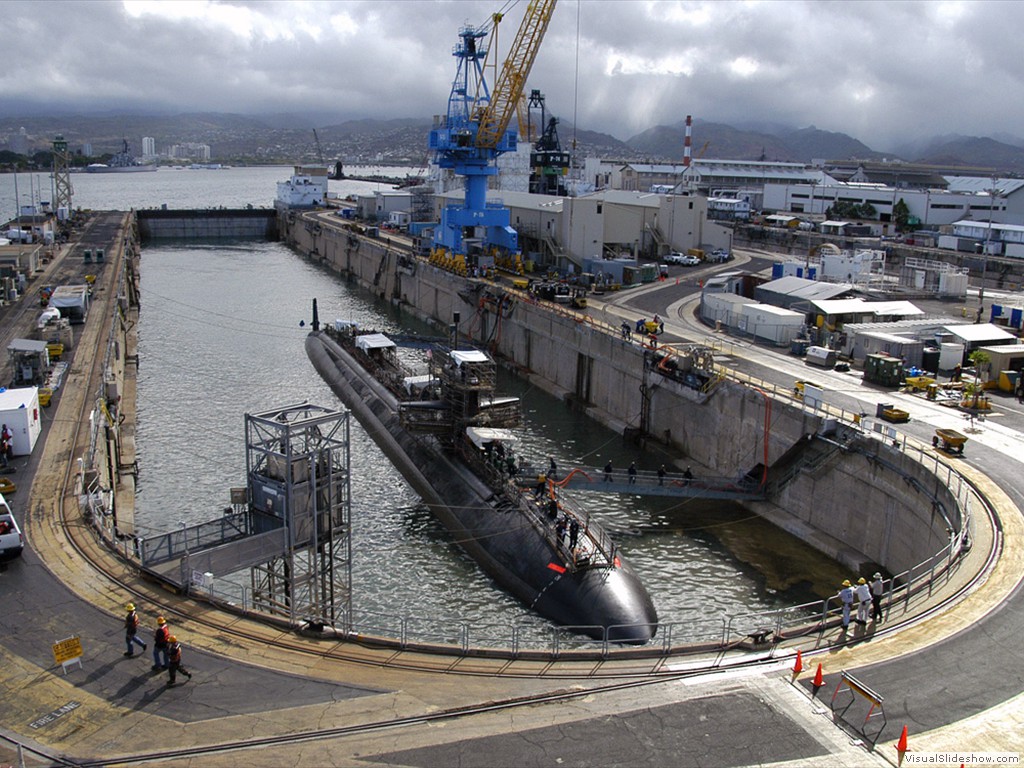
(880, 71)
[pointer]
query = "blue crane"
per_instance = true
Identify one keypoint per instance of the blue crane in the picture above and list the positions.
(475, 131)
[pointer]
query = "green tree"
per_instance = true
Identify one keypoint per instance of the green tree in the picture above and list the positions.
(901, 214)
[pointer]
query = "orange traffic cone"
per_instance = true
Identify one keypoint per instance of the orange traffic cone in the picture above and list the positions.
(901, 746)
(819, 680)
(798, 667)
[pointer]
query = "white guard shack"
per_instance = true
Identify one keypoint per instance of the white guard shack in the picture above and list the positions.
(19, 410)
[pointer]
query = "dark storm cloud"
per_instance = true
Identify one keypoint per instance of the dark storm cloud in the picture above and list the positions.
(872, 69)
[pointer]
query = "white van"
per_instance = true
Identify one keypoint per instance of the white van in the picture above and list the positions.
(821, 356)
(11, 540)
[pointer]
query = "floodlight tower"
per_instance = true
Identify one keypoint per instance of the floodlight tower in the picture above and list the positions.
(61, 176)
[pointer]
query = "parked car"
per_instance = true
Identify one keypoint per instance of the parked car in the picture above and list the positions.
(685, 259)
(719, 256)
(11, 541)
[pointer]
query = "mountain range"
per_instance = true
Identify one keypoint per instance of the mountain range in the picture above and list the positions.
(291, 138)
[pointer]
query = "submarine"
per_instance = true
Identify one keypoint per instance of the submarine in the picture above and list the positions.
(452, 437)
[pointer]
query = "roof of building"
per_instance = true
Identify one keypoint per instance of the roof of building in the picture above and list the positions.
(1005, 349)
(31, 346)
(730, 298)
(841, 306)
(979, 332)
(803, 288)
(899, 174)
(995, 226)
(859, 306)
(892, 338)
(902, 308)
(983, 185)
(12, 399)
(771, 309)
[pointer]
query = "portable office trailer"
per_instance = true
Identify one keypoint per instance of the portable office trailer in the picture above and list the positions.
(19, 410)
(774, 324)
(823, 357)
(724, 308)
(863, 343)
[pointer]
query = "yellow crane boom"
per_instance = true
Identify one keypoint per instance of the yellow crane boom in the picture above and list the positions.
(508, 90)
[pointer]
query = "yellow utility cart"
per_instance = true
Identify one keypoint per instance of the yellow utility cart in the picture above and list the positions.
(951, 440)
(919, 383)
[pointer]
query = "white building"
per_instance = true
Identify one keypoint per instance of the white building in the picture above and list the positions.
(564, 231)
(19, 410)
(307, 188)
(148, 146)
(987, 237)
(1000, 200)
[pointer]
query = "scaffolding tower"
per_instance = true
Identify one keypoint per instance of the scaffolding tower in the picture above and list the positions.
(298, 474)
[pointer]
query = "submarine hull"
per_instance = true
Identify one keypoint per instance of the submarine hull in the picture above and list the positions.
(605, 603)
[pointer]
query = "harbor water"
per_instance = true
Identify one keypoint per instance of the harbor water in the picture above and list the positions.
(221, 334)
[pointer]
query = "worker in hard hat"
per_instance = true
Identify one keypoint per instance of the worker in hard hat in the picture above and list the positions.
(877, 591)
(174, 661)
(161, 637)
(863, 593)
(131, 631)
(846, 598)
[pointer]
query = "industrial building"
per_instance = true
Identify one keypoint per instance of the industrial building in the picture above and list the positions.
(563, 231)
(970, 198)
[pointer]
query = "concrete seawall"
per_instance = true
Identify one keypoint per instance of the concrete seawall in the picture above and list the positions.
(859, 500)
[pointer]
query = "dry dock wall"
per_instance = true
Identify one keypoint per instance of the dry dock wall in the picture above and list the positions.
(862, 506)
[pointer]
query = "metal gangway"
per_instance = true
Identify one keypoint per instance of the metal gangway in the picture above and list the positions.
(672, 484)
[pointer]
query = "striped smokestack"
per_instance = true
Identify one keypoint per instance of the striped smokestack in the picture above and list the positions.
(687, 149)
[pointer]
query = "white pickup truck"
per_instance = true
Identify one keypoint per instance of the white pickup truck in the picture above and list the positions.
(11, 540)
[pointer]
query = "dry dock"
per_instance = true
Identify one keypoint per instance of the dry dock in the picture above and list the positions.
(267, 696)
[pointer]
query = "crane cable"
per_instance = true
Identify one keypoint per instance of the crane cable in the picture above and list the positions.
(576, 81)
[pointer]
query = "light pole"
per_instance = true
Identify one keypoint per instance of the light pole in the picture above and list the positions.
(992, 192)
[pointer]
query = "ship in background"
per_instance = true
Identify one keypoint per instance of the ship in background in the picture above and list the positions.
(122, 162)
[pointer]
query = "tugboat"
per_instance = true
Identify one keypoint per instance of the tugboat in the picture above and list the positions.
(453, 440)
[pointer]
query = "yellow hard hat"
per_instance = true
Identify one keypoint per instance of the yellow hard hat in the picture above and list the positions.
(161, 620)
(862, 580)
(846, 583)
(130, 606)
(172, 639)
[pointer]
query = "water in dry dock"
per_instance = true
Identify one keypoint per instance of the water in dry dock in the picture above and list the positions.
(220, 335)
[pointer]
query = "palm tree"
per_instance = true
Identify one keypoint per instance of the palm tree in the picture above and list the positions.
(977, 358)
